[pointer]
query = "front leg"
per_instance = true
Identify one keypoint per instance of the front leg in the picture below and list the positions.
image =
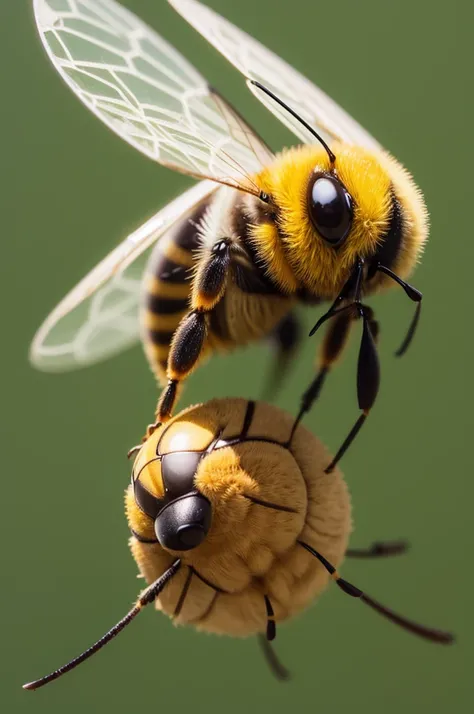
(368, 378)
(334, 341)
(332, 347)
(209, 285)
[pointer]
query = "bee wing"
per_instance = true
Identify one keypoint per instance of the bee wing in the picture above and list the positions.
(258, 63)
(147, 92)
(99, 317)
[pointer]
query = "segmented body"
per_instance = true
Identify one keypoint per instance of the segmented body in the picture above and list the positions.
(265, 495)
(252, 305)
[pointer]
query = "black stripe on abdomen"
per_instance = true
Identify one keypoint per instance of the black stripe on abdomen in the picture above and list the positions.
(168, 288)
(161, 337)
(171, 271)
(164, 305)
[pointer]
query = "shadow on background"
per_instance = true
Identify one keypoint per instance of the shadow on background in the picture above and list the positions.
(70, 191)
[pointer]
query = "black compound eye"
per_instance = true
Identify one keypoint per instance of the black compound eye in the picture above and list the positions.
(330, 208)
(146, 501)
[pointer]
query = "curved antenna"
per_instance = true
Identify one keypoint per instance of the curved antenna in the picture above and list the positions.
(149, 595)
(268, 92)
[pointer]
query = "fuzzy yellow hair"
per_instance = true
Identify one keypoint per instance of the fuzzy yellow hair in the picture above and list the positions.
(250, 550)
(296, 255)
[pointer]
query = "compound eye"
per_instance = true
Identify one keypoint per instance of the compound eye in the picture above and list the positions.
(330, 208)
(146, 501)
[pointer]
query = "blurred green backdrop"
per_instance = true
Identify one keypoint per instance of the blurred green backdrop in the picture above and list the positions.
(70, 191)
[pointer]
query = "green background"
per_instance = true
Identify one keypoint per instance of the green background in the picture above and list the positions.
(70, 190)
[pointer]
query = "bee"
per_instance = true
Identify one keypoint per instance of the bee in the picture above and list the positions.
(335, 219)
(236, 527)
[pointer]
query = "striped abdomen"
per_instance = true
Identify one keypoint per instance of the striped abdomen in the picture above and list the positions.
(167, 287)
(251, 306)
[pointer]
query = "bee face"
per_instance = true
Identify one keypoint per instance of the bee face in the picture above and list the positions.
(164, 486)
(263, 497)
(330, 215)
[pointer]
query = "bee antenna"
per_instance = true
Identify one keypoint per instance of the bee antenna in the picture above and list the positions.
(148, 596)
(438, 636)
(268, 92)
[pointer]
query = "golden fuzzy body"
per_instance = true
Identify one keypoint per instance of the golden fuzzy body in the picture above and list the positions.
(251, 550)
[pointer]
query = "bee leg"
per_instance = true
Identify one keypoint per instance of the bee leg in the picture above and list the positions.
(276, 667)
(188, 341)
(428, 633)
(380, 549)
(332, 346)
(278, 670)
(286, 339)
(368, 378)
(271, 624)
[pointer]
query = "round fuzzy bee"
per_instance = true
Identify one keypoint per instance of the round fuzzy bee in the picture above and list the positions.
(236, 526)
(221, 485)
(336, 219)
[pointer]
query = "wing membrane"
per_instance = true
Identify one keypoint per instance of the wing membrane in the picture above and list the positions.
(99, 317)
(257, 62)
(146, 91)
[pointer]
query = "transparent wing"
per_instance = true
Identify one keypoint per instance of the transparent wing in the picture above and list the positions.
(257, 62)
(99, 317)
(147, 92)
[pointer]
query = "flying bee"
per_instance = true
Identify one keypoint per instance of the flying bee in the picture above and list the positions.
(236, 527)
(335, 219)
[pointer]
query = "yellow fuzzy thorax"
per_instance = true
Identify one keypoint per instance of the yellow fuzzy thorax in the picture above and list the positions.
(296, 255)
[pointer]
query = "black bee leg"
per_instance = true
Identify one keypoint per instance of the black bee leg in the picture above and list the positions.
(411, 331)
(368, 378)
(189, 339)
(147, 597)
(277, 669)
(380, 549)
(285, 339)
(428, 633)
(415, 296)
(335, 339)
(271, 624)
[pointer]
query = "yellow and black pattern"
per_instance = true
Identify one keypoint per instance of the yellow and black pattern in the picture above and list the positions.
(204, 291)
(265, 494)
(167, 289)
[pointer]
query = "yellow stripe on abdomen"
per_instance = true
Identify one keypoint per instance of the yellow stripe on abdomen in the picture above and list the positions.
(167, 288)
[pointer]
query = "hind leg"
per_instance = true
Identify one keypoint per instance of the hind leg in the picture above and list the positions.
(285, 341)
(189, 343)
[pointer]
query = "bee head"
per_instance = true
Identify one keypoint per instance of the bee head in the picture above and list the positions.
(177, 515)
(331, 213)
(195, 478)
